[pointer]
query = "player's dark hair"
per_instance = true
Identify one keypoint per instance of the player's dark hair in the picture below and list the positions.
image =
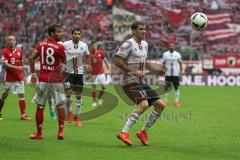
(136, 24)
(52, 28)
(76, 29)
(93, 42)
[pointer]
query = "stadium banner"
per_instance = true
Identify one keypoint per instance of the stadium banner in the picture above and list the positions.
(122, 21)
(225, 61)
(188, 80)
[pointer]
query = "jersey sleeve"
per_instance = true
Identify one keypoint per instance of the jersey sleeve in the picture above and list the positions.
(21, 55)
(179, 58)
(38, 48)
(164, 57)
(65, 45)
(86, 50)
(62, 51)
(146, 46)
(4, 57)
(124, 50)
(103, 55)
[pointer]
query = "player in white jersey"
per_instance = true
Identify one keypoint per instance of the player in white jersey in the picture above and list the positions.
(131, 58)
(173, 62)
(77, 53)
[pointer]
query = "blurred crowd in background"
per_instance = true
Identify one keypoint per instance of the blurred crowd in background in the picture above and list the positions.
(167, 20)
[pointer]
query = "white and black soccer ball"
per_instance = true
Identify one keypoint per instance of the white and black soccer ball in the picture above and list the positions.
(199, 21)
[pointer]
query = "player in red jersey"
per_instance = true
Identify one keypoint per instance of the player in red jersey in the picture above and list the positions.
(98, 73)
(52, 58)
(14, 79)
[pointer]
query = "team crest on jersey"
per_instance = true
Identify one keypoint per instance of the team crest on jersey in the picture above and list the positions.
(75, 46)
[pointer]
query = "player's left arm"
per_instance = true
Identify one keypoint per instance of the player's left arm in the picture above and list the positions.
(158, 69)
(107, 65)
(32, 59)
(87, 59)
(180, 66)
(7, 65)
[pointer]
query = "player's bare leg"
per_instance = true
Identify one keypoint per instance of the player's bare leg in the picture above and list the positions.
(22, 106)
(68, 108)
(94, 95)
(158, 108)
(123, 135)
(165, 95)
(177, 95)
(2, 100)
(78, 107)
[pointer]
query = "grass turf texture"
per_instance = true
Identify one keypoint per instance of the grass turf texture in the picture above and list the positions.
(206, 126)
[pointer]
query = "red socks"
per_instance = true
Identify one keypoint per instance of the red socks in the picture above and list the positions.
(94, 95)
(39, 119)
(22, 105)
(61, 116)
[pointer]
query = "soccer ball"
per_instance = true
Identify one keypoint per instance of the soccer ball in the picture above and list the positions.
(199, 21)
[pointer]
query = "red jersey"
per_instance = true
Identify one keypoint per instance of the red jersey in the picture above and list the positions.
(13, 57)
(50, 52)
(97, 58)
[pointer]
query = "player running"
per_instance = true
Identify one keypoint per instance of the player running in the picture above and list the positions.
(77, 53)
(173, 62)
(52, 55)
(131, 58)
(14, 76)
(98, 75)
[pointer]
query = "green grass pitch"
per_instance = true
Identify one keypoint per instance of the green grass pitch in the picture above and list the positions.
(205, 127)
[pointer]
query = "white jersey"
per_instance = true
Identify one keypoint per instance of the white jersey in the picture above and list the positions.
(75, 55)
(135, 55)
(172, 62)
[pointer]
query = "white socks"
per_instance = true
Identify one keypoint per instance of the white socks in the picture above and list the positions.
(78, 106)
(68, 107)
(151, 120)
(177, 94)
(130, 122)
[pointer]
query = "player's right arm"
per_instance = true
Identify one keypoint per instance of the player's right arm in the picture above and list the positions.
(87, 59)
(10, 66)
(63, 60)
(119, 60)
(180, 65)
(32, 59)
(164, 59)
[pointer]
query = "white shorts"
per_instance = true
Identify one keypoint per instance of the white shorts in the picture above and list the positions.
(99, 79)
(44, 90)
(14, 87)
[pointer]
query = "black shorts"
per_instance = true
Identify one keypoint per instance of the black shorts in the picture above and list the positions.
(74, 81)
(138, 92)
(173, 80)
